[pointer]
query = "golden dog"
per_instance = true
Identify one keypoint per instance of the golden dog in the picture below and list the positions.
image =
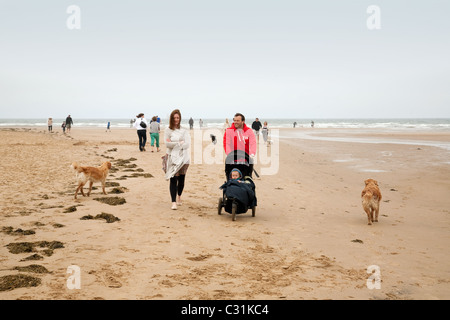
(91, 174)
(371, 197)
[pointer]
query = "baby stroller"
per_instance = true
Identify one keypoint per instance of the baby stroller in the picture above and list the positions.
(238, 195)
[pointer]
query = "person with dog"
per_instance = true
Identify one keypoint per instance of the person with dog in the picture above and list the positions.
(178, 141)
(141, 126)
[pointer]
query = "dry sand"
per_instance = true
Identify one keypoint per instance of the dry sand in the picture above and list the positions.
(308, 240)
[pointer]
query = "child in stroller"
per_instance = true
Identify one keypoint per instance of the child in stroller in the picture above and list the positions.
(239, 189)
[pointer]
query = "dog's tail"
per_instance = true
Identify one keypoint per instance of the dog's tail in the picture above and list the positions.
(75, 167)
(366, 194)
(370, 195)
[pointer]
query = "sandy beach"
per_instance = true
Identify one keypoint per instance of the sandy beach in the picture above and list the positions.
(309, 239)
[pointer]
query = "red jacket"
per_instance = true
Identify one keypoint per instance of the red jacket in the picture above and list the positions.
(242, 139)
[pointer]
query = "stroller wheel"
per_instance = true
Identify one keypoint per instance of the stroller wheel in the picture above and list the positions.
(233, 211)
(253, 211)
(219, 206)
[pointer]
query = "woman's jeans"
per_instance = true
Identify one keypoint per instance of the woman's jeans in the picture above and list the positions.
(142, 134)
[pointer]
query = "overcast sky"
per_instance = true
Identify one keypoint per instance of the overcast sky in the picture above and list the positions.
(211, 59)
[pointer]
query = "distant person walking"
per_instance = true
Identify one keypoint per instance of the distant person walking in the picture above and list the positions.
(226, 125)
(178, 141)
(50, 124)
(265, 132)
(69, 123)
(63, 126)
(295, 123)
(154, 133)
(200, 122)
(141, 126)
(312, 124)
(256, 126)
(108, 127)
(191, 123)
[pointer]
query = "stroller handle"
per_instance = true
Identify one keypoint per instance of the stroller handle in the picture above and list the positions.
(239, 157)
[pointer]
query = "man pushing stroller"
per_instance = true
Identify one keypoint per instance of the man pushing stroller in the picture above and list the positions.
(239, 137)
(239, 190)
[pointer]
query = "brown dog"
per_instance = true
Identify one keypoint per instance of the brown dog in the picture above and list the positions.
(371, 197)
(91, 174)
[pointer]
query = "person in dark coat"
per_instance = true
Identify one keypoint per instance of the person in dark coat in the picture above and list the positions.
(256, 126)
(69, 123)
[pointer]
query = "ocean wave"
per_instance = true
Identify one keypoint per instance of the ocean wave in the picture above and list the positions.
(393, 124)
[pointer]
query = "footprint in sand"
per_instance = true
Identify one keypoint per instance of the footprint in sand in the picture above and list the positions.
(200, 257)
(112, 282)
(108, 278)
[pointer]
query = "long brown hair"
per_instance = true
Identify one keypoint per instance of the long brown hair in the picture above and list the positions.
(172, 120)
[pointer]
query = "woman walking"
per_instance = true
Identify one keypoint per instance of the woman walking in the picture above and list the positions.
(178, 141)
(154, 133)
(141, 126)
(265, 132)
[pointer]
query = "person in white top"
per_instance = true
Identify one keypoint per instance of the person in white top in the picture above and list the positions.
(226, 125)
(50, 124)
(178, 141)
(265, 132)
(141, 126)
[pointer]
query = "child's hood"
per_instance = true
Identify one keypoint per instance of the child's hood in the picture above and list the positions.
(239, 171)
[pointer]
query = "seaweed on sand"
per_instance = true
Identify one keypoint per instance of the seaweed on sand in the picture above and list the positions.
(11, 282)
(25, 247)
(34, 268)
(112, 201)
(107, 216)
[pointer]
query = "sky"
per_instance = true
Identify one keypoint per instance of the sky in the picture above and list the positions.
(211, 58)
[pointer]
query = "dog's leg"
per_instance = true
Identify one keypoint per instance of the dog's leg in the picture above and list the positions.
(90, 188)
(372, 213)
(377, 210)
(81, 189)
(103, 187)
(367, 210)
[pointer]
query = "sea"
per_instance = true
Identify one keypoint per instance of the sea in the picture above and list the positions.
(438, 124)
